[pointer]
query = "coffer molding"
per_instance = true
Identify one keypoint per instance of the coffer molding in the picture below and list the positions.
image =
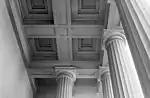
(36, 11)
(86, 49)
(43, 49)
(88, 11)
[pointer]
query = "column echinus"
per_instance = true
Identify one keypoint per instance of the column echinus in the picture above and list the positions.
(115, 46)
(65, 82)
(107, 85)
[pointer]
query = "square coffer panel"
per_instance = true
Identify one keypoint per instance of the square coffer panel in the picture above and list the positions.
(43, 48)
(36, 11)
(86, 49)
(88, 12)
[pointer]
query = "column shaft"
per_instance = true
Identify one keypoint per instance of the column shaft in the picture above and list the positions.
(107, 86)
(64, 86)
(115, 46)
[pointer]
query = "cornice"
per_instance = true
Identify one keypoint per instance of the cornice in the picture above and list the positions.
(78, 73)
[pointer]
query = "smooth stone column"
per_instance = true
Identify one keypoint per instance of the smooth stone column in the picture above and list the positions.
(107, 85)
(65, 82)
(115, 45)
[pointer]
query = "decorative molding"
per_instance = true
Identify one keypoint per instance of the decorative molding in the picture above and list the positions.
(86, 49)
(52, 73)
(65, 70)
(91, 11)
(101, 71)
(113, 36)
(86, 73)
(78, 64)
(80, 73)
(119, 33)
(36, 11)
(43, 48)
(77, 73)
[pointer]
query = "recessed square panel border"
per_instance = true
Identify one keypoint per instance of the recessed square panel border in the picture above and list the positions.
(86, 14)
(36, 12)
(43, 49)
(88, 52)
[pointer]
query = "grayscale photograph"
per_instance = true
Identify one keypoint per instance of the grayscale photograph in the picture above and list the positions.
(74, 48)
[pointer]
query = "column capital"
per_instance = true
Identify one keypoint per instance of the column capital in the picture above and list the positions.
(105, 74)
(111, 36)
(102, 70)
(66, 71)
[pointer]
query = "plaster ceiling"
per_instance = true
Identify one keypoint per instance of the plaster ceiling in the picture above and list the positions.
(67, 32)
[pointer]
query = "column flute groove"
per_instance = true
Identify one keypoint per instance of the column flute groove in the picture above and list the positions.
(107, 85)
(65, 81)
(115, 46)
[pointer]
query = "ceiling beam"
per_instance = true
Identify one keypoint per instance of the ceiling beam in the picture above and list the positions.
(62, 44)
(78, 64)
(59, 12)
(80, 73)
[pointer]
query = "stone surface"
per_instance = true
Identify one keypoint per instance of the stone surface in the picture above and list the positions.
(115, 45)
(107, 85)
(65, 82)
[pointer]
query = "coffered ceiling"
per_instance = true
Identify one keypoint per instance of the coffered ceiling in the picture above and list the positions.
(46, 11)
(67, 32)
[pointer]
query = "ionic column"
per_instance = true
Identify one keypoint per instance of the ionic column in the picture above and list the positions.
(115, 45)
(107, 85)
(65, 82)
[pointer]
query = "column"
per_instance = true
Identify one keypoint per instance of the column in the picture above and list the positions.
(115, 46)
(107, 85)
(65, 82)
(136, 23)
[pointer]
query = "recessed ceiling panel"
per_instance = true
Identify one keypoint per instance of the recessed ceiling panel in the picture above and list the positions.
(43, 48)
(88, 7)
(37, 11)
(93, 11)
(45, 44)
(86, 49)
(37, 7)
(85, 44)
(87, 4)
(38, 4)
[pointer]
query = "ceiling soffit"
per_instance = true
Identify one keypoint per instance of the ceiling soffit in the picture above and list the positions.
(87, 12)
(66, 30)
(62, 44)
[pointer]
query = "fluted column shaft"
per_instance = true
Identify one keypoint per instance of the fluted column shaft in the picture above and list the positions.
(115, 46)
(107, 85)
(65, 82)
